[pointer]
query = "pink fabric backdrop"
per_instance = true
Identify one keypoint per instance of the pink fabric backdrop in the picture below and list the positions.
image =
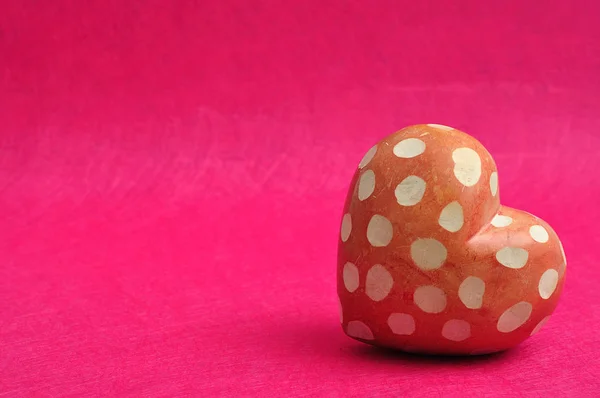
(172, 175)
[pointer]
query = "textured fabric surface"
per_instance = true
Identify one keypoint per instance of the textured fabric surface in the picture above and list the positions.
(172, 176)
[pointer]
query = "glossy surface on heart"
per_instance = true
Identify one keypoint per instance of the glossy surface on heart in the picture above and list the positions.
(430, 261)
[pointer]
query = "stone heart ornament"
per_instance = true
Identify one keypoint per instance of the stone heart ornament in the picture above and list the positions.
(429, 260)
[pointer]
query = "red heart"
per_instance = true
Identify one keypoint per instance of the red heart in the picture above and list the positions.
(429, 261)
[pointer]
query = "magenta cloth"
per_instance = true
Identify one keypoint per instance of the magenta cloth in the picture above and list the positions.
(172, 176)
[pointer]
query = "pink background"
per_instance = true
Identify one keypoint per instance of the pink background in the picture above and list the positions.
(172, 175)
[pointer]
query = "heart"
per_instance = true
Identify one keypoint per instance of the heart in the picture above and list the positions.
(429, 260)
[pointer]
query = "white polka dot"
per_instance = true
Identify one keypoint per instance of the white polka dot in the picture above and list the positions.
(456, 330)
(379, 283)
(402, 324)
(346, 227)
(501, 221)
(430, 299)
(350, 276)
(540, 325)
(341, 310)
(538, 233)
(359, 330)
(467, 166)
(512, 257)
(428, 253)
(368, 157)
(409, 148)
(451, 217)
(379, 231)
(366, 184)
(440, 127)
(548, 283)
(494, 183)
(410, 191)
(514, 317)
(471, 292)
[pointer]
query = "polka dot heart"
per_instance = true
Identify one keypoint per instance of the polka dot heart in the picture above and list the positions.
(429, 260)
